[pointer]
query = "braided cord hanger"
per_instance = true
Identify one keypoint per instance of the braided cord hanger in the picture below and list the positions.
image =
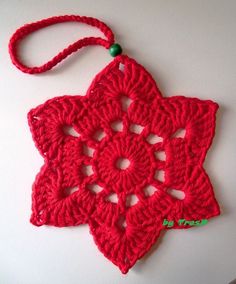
(27, 29)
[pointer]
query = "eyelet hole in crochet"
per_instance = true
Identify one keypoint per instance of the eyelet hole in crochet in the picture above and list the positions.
(179, 133)
(40, 220)
(178, 194)
(125, 102)
(88, 151)
(36, 118)
(122, 163)
(99, 135)
(113, 198)
(160, 175)
(136, 128)
(68, 191)
(69, 130)
(126, 260)
(122, 222)
(153, 139)
(95, 188)
(131, 200)
(160, 155)
(149, 190)
(117, 125)
(87, 170)
(122, 67)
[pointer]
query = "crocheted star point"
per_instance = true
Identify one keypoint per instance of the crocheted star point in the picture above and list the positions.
(117, 157)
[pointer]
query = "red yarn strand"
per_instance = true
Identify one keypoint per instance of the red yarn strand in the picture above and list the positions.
(27, 29)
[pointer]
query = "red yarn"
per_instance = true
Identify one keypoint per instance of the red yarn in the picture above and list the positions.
(27, 29)
(81, 182)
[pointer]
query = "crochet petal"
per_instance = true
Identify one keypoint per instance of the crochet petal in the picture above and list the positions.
(124, 76)
(199, 202)
(48, 120)
(53, 202)
(196, 118)
(125, 248)
(124, 235)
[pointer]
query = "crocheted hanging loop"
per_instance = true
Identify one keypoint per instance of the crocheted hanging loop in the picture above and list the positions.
(27, 29)
(85, 141)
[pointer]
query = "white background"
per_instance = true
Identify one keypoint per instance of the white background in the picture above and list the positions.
(189, 47)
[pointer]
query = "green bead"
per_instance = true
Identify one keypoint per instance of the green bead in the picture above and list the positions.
(115, 50)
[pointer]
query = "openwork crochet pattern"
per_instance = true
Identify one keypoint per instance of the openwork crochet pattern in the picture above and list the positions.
(115, 158)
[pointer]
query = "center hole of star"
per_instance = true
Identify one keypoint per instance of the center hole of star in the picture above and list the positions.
(122, 163)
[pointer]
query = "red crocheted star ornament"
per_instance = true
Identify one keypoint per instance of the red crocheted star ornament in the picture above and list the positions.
(84, 141)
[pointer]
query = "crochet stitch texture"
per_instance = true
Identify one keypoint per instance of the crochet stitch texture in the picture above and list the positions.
(83, 140)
